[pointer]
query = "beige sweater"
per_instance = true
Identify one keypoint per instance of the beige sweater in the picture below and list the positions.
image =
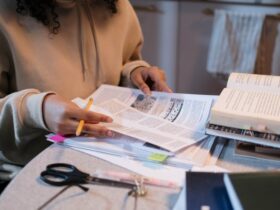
(93, 47)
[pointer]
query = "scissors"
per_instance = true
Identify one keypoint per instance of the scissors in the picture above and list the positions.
(60, 174)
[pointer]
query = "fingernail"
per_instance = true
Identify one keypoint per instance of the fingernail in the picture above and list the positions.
(110, 134)
(109, 120)
(147, 91)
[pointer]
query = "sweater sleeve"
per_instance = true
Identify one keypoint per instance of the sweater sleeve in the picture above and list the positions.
(21, 120)
(135, 43)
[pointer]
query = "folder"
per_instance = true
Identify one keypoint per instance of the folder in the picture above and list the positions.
(206, 189)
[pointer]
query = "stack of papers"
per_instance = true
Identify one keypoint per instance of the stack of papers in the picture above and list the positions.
(129, 148)
(161, 135)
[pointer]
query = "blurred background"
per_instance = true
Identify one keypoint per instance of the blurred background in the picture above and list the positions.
(178, 34)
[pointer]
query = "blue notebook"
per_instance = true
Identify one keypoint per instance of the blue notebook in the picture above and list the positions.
(206, 189)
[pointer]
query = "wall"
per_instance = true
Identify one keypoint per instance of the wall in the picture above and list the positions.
(159, 21)
(177, 36)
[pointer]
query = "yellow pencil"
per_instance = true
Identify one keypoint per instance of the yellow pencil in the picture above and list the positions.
(82, 122)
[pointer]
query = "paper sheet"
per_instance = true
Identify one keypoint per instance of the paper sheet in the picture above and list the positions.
(124, 146)
(145, 127)
(144, 168)
(188, 110)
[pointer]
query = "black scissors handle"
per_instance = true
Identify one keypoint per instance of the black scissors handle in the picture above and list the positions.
(59, 174)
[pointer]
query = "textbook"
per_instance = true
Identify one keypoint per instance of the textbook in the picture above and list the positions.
(248, 109)
(255, 190)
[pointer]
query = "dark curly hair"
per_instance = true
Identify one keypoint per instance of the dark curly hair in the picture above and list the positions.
(44, 11)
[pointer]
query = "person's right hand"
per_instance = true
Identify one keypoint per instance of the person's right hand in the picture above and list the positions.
(62, 116)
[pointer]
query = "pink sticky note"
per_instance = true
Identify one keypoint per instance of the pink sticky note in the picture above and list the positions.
(57, 138)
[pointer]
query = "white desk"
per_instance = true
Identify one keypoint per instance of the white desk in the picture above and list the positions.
(27, 191)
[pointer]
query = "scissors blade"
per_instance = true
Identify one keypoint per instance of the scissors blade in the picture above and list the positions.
(109, 182)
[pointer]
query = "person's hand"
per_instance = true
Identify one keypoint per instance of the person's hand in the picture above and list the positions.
(149, 78)
(62, 116)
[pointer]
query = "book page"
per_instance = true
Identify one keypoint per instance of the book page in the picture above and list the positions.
(185, 109)
(247, 109)
(254, 82)
(249, 103)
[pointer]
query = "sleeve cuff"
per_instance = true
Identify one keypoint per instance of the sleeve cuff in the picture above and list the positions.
(34, 109)
(129, 67)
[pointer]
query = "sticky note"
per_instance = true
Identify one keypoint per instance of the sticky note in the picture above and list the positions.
(157, 157)
(57, 138)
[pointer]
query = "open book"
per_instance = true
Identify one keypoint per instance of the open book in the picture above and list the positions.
(248, 109)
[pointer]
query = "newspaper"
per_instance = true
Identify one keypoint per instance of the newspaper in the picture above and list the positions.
(183, 111)
(149, 128)
(187, 110)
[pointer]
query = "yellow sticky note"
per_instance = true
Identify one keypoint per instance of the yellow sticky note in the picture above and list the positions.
(157, 157)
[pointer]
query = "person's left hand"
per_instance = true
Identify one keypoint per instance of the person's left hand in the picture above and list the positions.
(149, 78)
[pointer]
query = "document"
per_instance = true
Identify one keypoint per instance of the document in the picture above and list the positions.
(188, 110)
(148, 128)
(199, 154)
(173, 169)
(136, 119)
(156, 124)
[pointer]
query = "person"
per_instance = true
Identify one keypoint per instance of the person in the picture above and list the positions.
(52, 51)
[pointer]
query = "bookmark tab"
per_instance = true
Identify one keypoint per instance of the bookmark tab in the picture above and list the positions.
(157, 157)
(57, 138)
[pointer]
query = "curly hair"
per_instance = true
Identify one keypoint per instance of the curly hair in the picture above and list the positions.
(44, 11)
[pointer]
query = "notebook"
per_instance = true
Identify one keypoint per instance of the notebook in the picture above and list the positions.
(206, 189)
(256, 191)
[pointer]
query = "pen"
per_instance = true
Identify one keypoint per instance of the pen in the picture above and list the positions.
(126, 177)
(82, 122)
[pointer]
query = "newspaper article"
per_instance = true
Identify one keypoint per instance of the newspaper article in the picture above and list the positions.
(170, 121)
(185, 109)
(146, 127)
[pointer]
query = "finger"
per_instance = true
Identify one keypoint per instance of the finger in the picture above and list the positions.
(162, 86)
(141, 84)
(97, 117)
(156, 74)
(68, 127)
(90, 116)
(97, 130)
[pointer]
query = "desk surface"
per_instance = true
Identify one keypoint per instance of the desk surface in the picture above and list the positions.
(27, 191)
